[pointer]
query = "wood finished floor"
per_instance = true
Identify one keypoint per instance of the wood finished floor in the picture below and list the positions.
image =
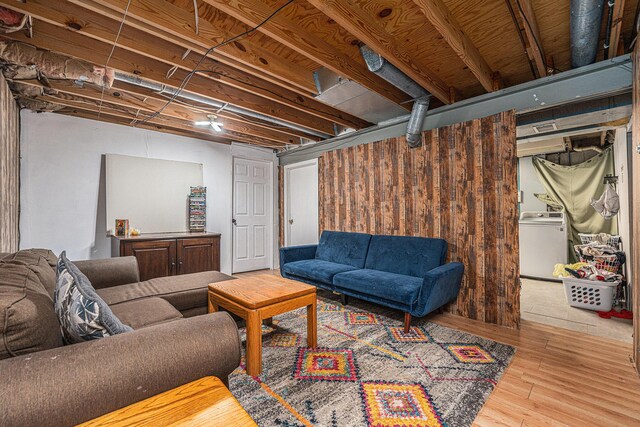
(557, 377)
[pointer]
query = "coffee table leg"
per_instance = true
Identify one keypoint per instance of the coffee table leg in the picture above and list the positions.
(212, 306)
(312, 331)
(254, 343)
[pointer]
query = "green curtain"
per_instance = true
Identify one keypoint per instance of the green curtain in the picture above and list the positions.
(573, 187)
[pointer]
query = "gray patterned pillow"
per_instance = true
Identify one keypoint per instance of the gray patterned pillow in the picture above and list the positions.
(83, 314)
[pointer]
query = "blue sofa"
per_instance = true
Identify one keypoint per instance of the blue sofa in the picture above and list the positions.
(400, 272)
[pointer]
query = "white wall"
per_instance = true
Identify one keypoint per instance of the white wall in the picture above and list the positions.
(62, 180)
(620, 156)
(529, 184)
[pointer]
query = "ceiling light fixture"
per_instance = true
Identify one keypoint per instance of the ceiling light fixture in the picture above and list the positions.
(217, 126)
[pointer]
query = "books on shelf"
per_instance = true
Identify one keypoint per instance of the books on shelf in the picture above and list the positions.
(197, 209)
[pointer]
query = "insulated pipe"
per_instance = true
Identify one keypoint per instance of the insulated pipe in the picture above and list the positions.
(147, 84)
(416, 120)
(586, 19)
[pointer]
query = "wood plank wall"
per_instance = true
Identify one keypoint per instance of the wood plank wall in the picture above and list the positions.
(9, 169)
(461, 185)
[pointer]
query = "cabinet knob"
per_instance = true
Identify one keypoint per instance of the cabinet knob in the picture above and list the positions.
(234, 221)
(291, 221)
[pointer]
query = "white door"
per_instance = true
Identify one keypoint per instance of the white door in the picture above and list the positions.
(252, 207)
(301, 203)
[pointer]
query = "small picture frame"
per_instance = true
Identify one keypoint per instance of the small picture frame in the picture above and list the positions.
(122, 227)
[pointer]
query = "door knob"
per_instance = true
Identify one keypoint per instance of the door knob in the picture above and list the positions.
(291, 221)
(234, 221)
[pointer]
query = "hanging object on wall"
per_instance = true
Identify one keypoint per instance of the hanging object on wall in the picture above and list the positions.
(608, 204)
(197, 209)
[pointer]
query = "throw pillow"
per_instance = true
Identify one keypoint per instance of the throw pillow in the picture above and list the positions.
(82, 313)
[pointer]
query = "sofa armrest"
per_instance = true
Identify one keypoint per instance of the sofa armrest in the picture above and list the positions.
(75, 383)
(296, 253)
(109, 272)
(441, 285)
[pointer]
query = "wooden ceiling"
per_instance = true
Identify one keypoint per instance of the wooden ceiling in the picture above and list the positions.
(456, 49)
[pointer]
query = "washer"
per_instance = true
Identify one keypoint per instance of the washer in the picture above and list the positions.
(543, 243)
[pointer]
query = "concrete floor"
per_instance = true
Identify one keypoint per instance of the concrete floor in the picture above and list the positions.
(545, 302)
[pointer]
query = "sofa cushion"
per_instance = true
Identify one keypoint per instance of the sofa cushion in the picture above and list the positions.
(343, 248)
(145, 312)
(413, 256)
(42, 262)
(316, 269)
(84, 316)
(387, 286)
(184, 292)
(28, 322)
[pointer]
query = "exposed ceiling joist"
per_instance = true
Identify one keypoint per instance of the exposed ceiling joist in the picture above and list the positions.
(532, 33)
(169, 22)
(131, 115)
(151, 96)
(364, 26)
(616, 28)
(102, 28)
(305, 42)
(107, 118)
(118, 96)
(443, 20)
(72, 44)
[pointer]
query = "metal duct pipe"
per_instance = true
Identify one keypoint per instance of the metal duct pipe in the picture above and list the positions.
(416, 120)
(156, 87)
(586, 18)
(380, 66)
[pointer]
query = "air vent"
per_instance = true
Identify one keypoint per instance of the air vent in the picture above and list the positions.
(543, 128)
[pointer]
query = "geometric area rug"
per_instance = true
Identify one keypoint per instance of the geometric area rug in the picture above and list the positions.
(367, 372)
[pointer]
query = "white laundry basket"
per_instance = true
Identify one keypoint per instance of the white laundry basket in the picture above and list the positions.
(590, 294)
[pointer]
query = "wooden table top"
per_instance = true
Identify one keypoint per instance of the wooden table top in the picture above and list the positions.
(259, 291)
(204, 402)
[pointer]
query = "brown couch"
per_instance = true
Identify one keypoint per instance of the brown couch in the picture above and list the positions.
(43, 382)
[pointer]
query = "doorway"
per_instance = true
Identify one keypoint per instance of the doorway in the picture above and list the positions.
(252, 215)
(545, 230)
(301, 203)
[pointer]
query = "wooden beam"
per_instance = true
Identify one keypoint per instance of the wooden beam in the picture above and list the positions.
(72, 44)
(365, 27)
(305, 42)
(616, 28)
(131, 115)
(107, 118)
(279, 130)
(443, 20)
(169, 22)
(102, 28)
(119, 96)
(532, 34)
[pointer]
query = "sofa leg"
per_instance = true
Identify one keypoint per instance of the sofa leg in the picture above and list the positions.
(344, 299)
(407, 322)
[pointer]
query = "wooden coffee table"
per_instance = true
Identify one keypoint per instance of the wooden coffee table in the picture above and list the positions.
(258, 298)
(205, 402)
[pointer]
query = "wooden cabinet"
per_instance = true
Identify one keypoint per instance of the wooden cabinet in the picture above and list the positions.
(165, 254)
